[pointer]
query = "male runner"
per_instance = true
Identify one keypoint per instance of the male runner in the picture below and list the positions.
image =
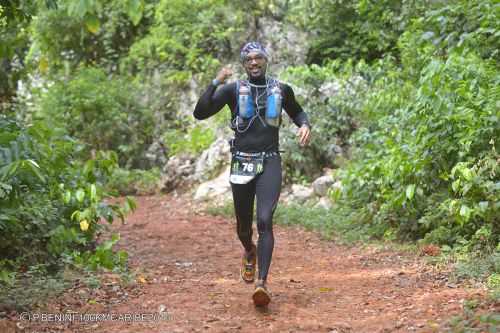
(255, 105)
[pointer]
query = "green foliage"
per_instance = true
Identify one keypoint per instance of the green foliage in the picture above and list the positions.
(431, 161)
(3, 19)
(88, 32)
(134, 181)
(493, 281)
(34, 286)
(103, 112)
(330, 95)
(460, 25)
(185, 44)
(473, 266)
(361, 29)
(477, 266)
(194, 141)
(225, 210)
(474, 319)
(333, 222)
(14, 40)
(133, 8)
(186, 36)
(50, 203)
(330, 223)
(426, 157)
(310, 218)
(101, 257)
(421, 119)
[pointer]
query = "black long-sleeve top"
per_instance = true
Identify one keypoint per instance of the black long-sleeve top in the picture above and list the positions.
(259, 136)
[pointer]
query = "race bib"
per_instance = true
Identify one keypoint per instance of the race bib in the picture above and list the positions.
(245, 168)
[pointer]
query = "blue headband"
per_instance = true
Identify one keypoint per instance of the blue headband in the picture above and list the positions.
(253, 47)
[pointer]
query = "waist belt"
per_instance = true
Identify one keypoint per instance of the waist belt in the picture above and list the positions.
(264, 154)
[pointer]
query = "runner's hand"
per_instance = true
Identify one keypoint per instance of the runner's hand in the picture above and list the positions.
(224, 74)
(304, 135)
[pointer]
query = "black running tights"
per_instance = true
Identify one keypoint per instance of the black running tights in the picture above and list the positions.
(266, 187)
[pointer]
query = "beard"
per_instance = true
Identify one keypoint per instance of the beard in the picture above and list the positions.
(256, 71)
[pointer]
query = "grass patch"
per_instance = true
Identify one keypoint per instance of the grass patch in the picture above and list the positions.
(38, 285)
(32, 288)
(477, 316)
(131, 182)
(479, 267)
(224, 210)
(325, 221)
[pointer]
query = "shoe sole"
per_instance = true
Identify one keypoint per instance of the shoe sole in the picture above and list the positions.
(261, 297)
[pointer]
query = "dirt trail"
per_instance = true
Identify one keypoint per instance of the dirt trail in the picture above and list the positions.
(189, 266)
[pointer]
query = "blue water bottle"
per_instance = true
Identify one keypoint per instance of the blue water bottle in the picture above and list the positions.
(245, 106)
(273, 109)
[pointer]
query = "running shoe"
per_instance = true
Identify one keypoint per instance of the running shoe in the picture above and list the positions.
(248, 267)
(261, 296)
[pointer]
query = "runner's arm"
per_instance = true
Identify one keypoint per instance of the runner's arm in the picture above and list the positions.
(213, 100)
(293, 108)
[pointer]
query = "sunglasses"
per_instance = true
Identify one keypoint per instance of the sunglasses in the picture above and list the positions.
(258, 58)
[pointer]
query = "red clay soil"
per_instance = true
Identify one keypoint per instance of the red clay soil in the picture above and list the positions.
(187, 268)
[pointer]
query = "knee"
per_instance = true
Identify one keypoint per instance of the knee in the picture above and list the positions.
(265, 223)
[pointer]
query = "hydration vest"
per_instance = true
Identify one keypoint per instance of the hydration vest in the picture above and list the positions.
(246, 106)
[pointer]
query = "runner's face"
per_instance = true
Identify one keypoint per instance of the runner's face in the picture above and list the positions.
(255, 65)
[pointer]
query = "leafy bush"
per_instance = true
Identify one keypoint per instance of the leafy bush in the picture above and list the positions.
(134, 181)
(458, 26)
(427, 160)
(103, 112)
(331, 95)
(98, 32)
(175, 45)
(50, 203)
(13, 47)
(186, 44)
(360, 30)
(194, 141)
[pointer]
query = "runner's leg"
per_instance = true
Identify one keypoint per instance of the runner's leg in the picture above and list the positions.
(243, 198)
(268, 188)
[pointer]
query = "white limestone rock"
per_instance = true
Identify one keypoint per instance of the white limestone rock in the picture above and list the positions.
(212, 160)
(300, 194)
(322, 184)
(218, 188)
(324, 202)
